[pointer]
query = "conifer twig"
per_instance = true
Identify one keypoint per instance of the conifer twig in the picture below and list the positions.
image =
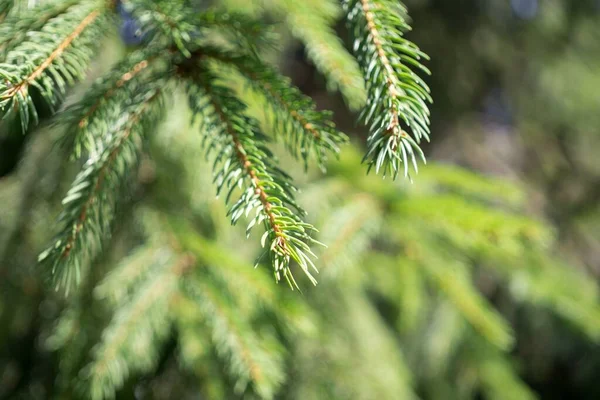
(91, 201)
(22, 86)
(305, 129)
(49, 61)
(244, 158)
(396, 95)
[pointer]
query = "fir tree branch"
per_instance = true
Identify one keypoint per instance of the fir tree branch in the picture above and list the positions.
(246, 162)
(349, 231)
(452, 279)
(100, 179)
(252, 289)
(58, 51)
(165, 22)
(126, 276)
(122, 81)
(304, 128)
(396, 94)
(90, 203)
(498, 377)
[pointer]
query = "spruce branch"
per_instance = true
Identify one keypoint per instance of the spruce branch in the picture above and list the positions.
(304, 129)
(165, 22)
(133, 269)
(254, 290)
(16, 27)
(496, 373)
(90, 204)
(451, 277)
(49, 61)
(5, 7)
(243, 32)
(131, 341)
(311, 22)
(248, 358)
(396, 95)
(349, 231)
(243, 160)
(90, 119)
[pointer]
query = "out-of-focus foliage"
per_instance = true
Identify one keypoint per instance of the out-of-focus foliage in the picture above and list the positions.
(403, 308)
(459, 286)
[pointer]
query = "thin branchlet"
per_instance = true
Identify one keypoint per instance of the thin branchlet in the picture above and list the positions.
(244, 159)
(397, 96)
(24, 84)
(81, 220)
(312, 23)
(304, 129)
(91, 202)
(15, 29)
(390, 75)
(49, 61)
(89, 119)
(240, 153)
(126, 77)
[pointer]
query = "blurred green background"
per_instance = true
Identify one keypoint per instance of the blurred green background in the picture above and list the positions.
(477, 281)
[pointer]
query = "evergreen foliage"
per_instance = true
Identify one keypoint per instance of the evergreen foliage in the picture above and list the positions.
(395, 93)
(245, 162)
(233, 325)
(405, 307)
(106, 124)
(44, 64)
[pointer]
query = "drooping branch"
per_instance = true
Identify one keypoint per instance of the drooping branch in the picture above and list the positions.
(397, 96)
(90, 204)
(242, 160)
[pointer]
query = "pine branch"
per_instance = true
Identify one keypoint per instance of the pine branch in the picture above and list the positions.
(90, 203)
(349, 231)
(451, 278)
(543, 280)
(499, 379)
(345, 359)
(52, 59)
(396, 95)
(254, 290)
(243, 160)
(305, 129)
